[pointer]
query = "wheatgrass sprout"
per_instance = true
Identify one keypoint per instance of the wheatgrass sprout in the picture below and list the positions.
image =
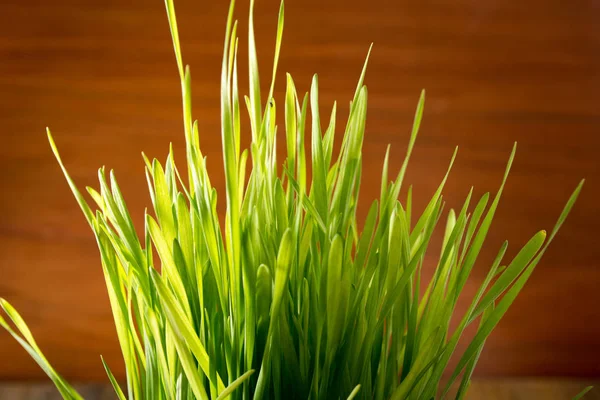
(287, 298)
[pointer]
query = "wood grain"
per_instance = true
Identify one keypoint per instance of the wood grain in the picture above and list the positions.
(102, 75)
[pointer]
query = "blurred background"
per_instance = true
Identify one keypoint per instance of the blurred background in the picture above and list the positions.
(102, 76)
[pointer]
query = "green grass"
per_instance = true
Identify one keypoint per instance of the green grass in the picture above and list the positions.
(287, 298)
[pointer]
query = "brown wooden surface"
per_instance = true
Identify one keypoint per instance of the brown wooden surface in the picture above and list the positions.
(101, 74)
(504, 389)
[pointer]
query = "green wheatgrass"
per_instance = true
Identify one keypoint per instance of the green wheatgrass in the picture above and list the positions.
(287, 299)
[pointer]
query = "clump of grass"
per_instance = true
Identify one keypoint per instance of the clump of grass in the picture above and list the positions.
(288, 299)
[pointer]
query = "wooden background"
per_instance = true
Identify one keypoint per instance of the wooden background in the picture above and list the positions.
(102, 75)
